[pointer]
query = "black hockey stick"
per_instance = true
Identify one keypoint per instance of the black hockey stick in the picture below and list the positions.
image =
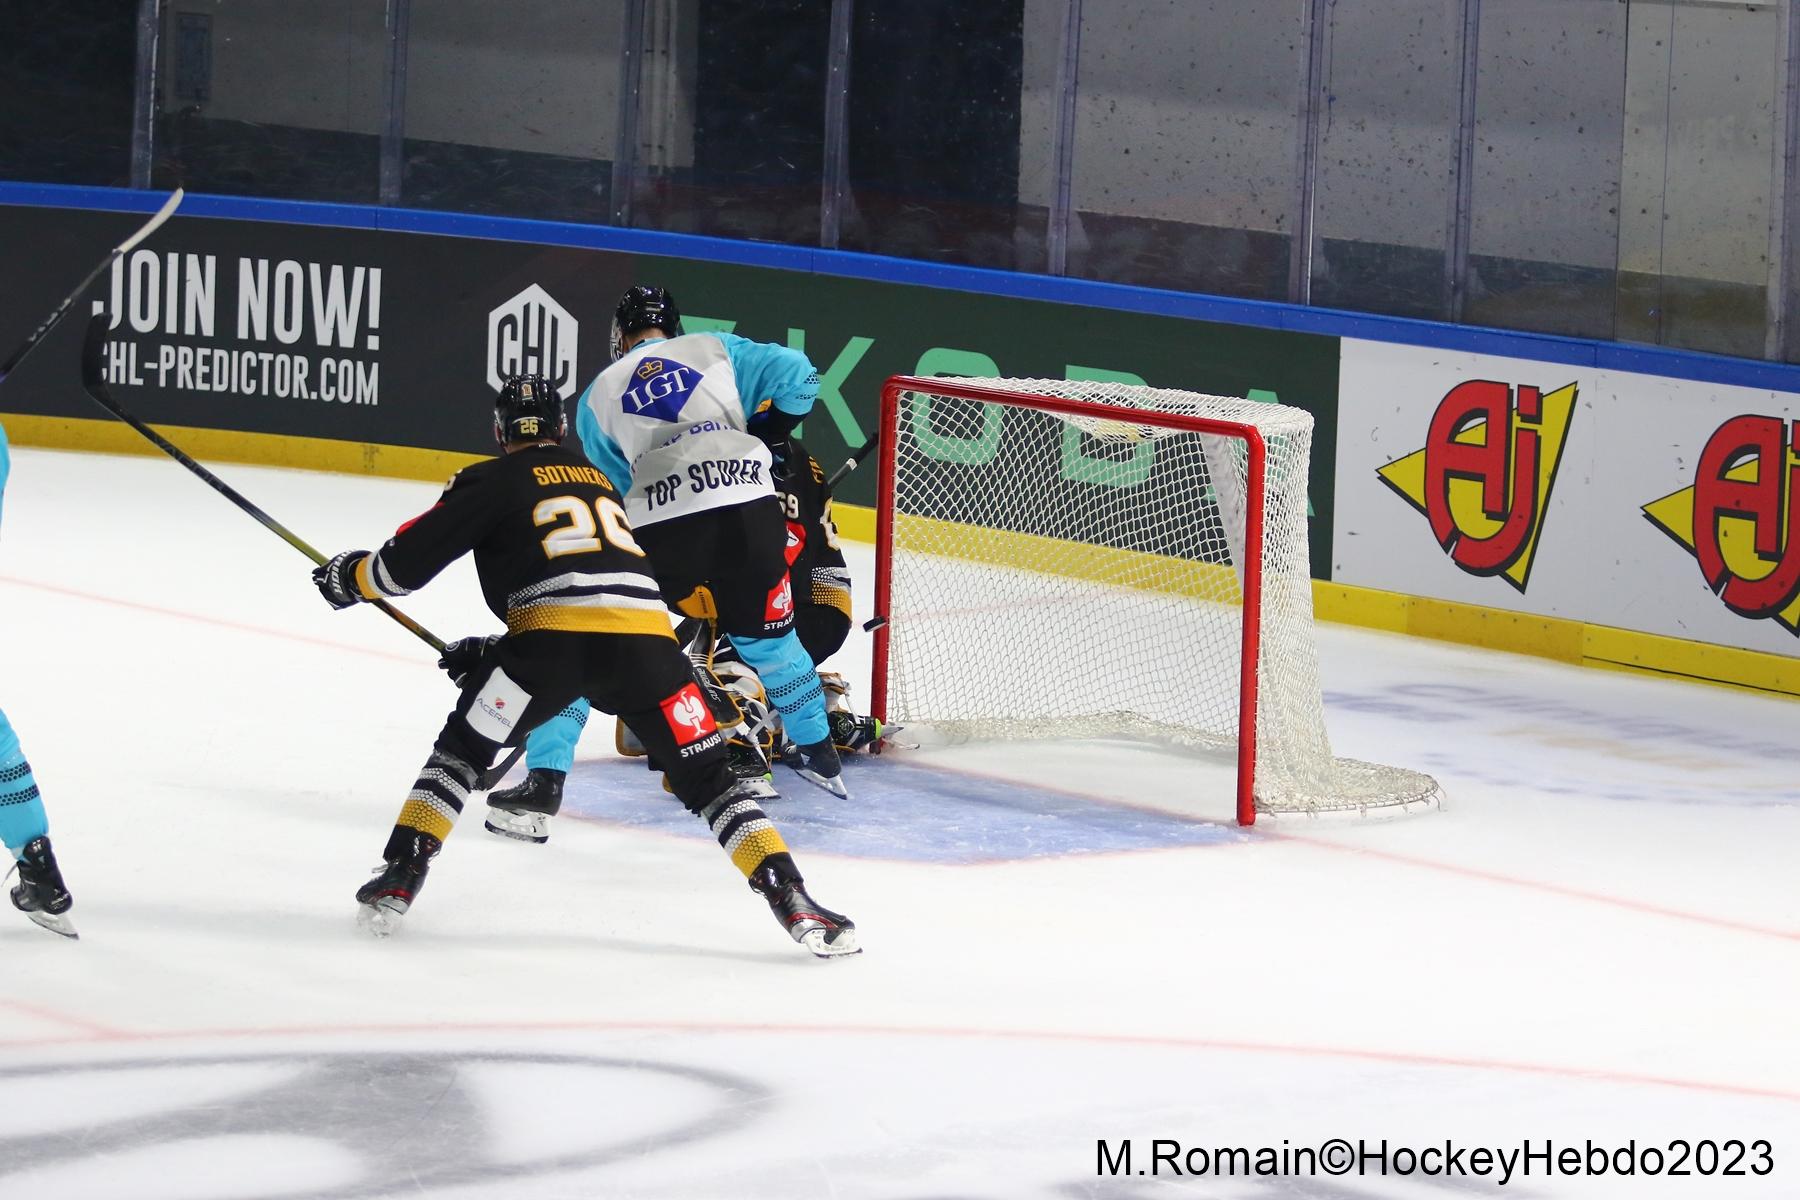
(62, 310)
(851, 463)
(93, 381)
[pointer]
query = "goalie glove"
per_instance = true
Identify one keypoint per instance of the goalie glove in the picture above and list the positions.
(461, 657)
(336, 579)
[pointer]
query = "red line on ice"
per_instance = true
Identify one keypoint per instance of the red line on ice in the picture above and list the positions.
(1352, 1054)
(206, 619)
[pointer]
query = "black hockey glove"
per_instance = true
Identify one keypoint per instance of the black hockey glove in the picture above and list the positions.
(336, 580)
(783, 457)
(464, 655)
(773, 426)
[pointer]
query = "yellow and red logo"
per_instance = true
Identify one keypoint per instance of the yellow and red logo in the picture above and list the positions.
(1741, 519)
(1483, 479)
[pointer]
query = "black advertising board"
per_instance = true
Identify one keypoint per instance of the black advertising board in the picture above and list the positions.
(400, 339)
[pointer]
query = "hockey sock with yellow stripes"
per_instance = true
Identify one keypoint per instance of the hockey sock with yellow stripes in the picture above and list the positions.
(436, 800)
(747, 834)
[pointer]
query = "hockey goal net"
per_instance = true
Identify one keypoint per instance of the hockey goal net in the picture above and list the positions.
(1063, 559)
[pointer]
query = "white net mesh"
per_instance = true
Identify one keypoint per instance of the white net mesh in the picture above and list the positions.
(1082, 576)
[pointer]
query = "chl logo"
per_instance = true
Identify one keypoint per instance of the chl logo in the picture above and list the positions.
(688, 717)
(531, 334)
(663, 386)
(1741, 519)
(1483, 479)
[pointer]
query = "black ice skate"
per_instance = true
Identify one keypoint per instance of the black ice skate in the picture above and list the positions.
(750, 766)
(850, 733)
(40, 893)
(523, 812)
(825, 933)
(387, 897)
(817, 763)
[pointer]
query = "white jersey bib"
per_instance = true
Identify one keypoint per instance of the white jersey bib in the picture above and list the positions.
(674, 410)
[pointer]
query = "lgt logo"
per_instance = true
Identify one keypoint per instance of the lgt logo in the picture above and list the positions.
(1483, 479)
(1741, 519)
(663, 387)
(531, 334)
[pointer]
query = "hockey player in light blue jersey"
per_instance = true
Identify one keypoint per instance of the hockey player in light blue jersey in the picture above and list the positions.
(40, 893)
(683, 424)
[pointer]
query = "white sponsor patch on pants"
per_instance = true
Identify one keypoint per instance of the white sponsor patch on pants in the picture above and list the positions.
(498, 706)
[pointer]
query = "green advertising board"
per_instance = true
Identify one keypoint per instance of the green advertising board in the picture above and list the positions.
(859, 333)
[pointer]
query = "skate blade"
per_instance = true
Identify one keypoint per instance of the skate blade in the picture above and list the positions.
(382, 918)
(887, 739)
(846, 943)
(834, 785)
(59, 924)
(518, 827)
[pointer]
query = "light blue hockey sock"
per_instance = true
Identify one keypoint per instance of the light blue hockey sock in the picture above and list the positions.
(792, 683)
(551, 746)
(22, 815)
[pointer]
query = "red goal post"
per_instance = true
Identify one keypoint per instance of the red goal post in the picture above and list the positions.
(1108, 559)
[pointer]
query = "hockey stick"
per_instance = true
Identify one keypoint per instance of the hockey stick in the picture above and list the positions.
(851, 463)
(93, 381)
(62, 310)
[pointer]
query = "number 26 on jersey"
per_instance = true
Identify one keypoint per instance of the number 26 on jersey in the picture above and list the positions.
(579, 535)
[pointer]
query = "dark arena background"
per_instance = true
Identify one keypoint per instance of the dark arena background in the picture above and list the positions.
(1328, 572)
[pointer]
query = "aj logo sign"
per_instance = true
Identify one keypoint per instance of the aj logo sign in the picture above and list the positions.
(1741, 519)
(1483, 479)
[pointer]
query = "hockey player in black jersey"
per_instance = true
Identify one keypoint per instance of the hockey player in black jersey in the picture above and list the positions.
(822, 614)
(557, 562)
(821, 589)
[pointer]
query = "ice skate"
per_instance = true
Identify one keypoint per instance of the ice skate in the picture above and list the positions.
(523, 812)
(818, 763)
(850, 733)
(387, 897)
(823, 932)
(750, 766)
(40, 893)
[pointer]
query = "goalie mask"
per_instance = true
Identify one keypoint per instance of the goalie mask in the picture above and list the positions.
(643, 307)
(528, 410)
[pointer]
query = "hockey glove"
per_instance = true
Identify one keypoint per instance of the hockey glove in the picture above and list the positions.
(336, 580)
(462, 656)
(782, 457)
(774, 426)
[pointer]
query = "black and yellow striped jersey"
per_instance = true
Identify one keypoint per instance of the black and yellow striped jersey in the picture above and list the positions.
(815, 561)
(551, 544)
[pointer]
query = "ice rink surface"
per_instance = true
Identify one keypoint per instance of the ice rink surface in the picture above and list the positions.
(1597, 941)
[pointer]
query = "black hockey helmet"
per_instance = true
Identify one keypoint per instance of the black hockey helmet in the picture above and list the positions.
(527, 410)
(643, 307)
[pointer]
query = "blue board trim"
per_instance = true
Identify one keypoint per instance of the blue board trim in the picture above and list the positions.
(1646, 360)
